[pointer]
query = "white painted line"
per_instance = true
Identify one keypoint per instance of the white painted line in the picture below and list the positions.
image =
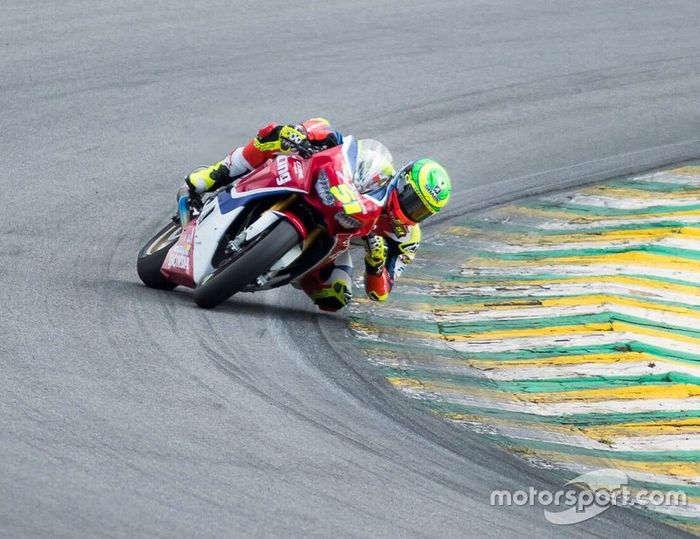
(562, 409)
(582, 269)
(601, 222)
(545, 290)
(585, 370)
(657, 316)
(672, 240)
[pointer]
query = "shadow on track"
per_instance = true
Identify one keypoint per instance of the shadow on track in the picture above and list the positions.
(242, 304)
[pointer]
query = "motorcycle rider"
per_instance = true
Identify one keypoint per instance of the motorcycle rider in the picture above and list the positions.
(423, 189)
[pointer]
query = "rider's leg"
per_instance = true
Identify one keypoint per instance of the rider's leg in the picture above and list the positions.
(330, 287)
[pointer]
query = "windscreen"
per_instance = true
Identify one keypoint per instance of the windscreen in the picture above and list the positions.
(374, 165)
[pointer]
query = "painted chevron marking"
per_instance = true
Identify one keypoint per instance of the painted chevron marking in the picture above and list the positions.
(566, 326)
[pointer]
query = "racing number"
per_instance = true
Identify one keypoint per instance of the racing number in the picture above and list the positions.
(347, 198)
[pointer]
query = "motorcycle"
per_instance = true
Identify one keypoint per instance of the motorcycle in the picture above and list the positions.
(288, 217)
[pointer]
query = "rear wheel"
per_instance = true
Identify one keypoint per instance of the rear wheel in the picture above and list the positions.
(254, 260)
(153, 254)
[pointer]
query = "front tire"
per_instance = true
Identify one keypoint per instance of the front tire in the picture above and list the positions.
(152, 256)
(256, 259)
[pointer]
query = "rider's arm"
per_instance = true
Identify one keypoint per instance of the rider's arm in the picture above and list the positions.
(385, 259)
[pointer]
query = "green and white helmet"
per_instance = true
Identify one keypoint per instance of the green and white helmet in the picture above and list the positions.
(423, 188)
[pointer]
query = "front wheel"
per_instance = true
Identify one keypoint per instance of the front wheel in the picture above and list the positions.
(253, 261)
(153, 254)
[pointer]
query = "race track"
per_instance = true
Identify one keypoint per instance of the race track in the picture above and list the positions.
(129, 412)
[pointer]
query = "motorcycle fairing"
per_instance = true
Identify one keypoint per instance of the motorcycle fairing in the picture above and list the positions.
(231, 200)
(283, 174)
(189, 260)
(178, 264)
(284, 171)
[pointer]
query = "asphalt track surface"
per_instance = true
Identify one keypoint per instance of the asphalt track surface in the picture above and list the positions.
(128, 412)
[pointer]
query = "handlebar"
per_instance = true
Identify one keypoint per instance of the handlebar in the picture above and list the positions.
(302, 147)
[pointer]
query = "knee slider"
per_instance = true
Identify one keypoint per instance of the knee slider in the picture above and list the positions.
(334, 297)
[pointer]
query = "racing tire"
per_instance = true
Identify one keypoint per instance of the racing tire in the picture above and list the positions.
(248, 264)
(152, 256)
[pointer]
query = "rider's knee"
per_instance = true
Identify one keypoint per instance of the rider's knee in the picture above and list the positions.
(334, 296)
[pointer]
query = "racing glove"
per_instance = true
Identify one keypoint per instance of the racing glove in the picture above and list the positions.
(283, 139)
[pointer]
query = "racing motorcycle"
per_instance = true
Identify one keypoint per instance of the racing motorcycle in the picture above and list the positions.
(283, 220)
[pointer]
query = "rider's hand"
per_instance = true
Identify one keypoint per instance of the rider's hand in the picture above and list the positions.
(376, 252)
(295, 139)
(283, 139)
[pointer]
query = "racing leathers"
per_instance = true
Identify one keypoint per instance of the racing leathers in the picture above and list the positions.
(388, 249)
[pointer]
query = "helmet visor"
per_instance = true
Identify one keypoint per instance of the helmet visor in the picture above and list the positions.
(409, 201)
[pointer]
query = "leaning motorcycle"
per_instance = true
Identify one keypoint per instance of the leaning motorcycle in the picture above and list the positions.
(285, 219)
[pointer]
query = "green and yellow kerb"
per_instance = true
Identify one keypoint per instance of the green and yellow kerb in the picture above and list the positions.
(567, 326)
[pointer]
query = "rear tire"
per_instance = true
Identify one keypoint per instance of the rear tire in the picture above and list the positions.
(255, 260)
(152, 256)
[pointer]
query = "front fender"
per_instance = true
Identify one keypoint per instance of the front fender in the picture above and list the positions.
(212, 224)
